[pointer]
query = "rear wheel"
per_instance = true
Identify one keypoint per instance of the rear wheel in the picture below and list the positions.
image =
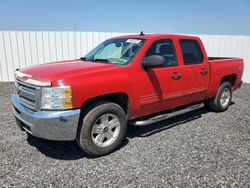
(223, 98)
(102, 129)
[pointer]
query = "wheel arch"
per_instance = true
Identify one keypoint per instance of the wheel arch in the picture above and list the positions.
(120, 98)
(231, 78)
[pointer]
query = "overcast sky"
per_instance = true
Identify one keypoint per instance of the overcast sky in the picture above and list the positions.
(155, 16)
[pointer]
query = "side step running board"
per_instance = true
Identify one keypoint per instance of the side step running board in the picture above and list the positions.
(167, 116)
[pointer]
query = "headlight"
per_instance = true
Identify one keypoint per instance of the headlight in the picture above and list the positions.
(56, 98)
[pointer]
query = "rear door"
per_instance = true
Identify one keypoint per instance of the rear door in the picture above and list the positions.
(196, 65)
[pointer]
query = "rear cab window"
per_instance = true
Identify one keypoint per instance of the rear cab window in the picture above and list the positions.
(191, 52)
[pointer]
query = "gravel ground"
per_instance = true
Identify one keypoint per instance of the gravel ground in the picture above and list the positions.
(199, 149)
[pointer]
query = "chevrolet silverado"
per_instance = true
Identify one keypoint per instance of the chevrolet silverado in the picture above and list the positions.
(127, 80)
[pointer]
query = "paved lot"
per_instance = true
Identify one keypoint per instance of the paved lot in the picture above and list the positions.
(201, 148)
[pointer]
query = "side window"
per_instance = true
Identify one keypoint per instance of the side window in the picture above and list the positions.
(163, 48)
(191, 52)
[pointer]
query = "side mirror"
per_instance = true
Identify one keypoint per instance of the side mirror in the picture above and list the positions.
(153, 61)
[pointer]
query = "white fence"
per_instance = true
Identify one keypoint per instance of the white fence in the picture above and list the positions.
(23, 48)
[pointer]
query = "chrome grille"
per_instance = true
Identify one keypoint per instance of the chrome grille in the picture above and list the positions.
(28, 94)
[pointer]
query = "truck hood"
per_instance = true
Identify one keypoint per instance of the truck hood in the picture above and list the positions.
(58, 70)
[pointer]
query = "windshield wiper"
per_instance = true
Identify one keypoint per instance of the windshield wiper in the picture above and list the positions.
(102, 60)
(94, 60)
(83, 59)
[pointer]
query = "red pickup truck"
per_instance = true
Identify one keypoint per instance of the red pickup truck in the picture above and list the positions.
(140, 79)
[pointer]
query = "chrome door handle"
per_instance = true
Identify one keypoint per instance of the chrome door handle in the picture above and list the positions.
(204, 71)
(176, 75)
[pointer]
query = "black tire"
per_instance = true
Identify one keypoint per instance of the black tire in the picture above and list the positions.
(88, 119)
(29, 136)
(215, 103)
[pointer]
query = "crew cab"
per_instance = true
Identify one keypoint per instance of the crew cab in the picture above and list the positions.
(124, 81)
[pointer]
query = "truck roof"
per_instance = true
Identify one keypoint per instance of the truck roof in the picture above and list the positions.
(151, 36)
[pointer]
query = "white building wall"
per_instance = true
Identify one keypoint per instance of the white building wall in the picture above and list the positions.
(25, 48)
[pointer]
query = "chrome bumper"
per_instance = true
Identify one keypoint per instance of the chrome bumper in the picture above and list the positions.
(51, 125)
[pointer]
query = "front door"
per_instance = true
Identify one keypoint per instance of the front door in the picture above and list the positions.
(161, 88)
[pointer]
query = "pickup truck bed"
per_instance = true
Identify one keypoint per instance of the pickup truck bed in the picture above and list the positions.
(221, 58)
(221, 66)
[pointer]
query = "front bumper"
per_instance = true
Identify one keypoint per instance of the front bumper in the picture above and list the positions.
(51, 125)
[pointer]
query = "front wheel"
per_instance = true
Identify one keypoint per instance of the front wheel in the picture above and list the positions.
(102, 129)
(222, 99)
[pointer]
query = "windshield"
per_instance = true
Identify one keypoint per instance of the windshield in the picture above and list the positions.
(118, 51)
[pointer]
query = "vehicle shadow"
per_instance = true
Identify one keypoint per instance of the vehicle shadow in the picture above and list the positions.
(62, 150)
(57, 149)
(70, 151)
(145, 131)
